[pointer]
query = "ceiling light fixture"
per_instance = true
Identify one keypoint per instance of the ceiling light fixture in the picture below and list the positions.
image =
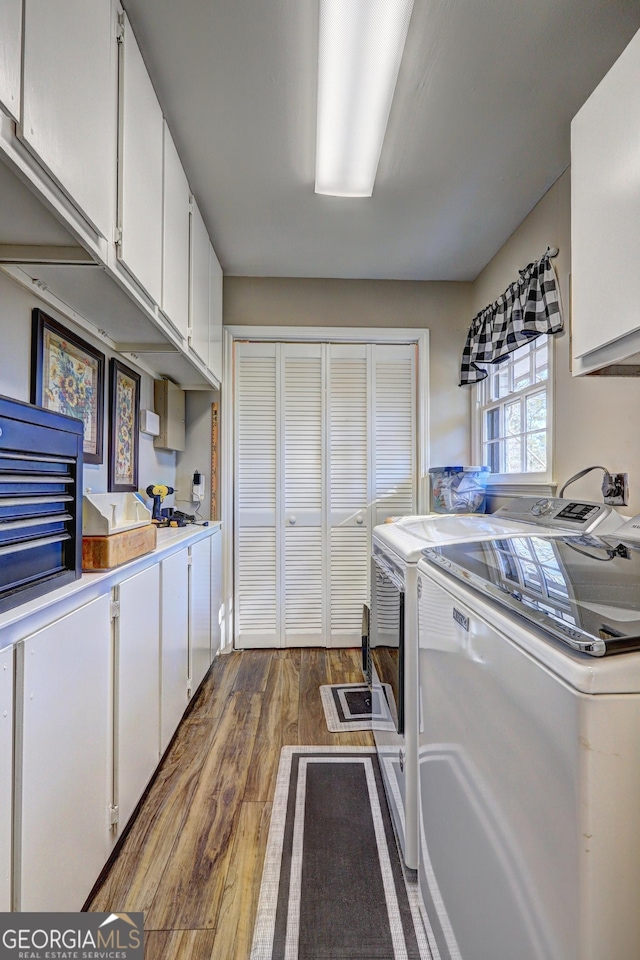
(360, 49)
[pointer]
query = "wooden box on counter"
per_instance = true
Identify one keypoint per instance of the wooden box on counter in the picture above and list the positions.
(104, 553)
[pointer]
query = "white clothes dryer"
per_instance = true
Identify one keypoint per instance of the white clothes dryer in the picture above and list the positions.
(390, 654)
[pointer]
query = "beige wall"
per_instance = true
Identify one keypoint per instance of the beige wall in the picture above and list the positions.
(444, 308)
(595, 417)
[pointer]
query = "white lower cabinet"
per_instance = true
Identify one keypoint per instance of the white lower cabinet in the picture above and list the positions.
(63, 759)
(6, 775)
(98, 695)
(174, 643)
(137, 687)
(216, 592)
(200, 611)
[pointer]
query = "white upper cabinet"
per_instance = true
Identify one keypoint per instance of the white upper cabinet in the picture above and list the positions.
(215, 315)
(69, 108)
(605, 217)
(175, 247)
(205, 297)
(140, 195)
(10, 53)
(199, 285)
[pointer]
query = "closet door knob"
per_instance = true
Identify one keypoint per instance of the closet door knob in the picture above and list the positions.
(292, 520)
(360, 520)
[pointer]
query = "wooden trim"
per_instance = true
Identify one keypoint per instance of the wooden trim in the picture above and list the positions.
(215, 478)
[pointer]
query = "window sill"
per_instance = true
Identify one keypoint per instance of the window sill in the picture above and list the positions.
(522, 488)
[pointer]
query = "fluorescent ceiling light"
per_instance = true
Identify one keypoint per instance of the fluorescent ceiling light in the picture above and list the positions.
(360, 49)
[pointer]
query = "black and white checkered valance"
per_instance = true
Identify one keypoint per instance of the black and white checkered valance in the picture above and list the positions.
(529, 307)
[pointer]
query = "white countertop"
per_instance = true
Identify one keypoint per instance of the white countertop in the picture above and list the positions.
(34, 614)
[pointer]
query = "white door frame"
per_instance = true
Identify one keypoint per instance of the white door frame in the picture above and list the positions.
(417, 335)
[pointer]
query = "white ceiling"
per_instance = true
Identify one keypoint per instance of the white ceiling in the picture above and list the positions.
(479, 128)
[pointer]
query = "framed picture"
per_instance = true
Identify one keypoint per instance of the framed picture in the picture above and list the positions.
(124, 437)
(67, 375)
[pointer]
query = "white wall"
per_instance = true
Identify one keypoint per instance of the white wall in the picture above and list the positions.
(595, 417)
(16, 304)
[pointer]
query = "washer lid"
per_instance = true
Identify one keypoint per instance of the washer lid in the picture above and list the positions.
(407, 537)
(584, 591)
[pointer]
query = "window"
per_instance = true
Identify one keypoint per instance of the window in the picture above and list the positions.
(513, 414)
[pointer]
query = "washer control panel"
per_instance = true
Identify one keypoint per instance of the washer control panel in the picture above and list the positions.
(577, 516)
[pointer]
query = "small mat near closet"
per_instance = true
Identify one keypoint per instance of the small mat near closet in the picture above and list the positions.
(347, 706)
(333, 887)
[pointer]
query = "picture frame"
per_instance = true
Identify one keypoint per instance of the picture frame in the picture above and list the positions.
(124, 422)
(67, 376)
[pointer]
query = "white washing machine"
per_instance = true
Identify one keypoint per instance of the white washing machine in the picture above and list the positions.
(529, 754)
(391, 663)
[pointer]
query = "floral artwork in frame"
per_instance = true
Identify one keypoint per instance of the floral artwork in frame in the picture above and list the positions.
(124, 439)
(67, 375)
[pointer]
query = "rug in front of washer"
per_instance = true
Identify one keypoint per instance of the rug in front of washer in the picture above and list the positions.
(333, 887)
(348, 706)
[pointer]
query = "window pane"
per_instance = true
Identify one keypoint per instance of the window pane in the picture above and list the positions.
(522, 371)
(513, 418)
(536, 452)
(503, 382)
(492, 422)
(522, 351)
(537, 411)
(542, 360)
(500, 381)
(513, 455)
(492, 457)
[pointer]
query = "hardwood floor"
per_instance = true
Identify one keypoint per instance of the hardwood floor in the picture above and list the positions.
(192, 860)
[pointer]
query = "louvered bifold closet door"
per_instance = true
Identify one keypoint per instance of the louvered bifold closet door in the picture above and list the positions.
(325, 449)
(349, 489)
(257, 585)
(302, 468)
(393, 430)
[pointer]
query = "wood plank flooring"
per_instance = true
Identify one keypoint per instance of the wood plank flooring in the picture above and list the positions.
(192, 860)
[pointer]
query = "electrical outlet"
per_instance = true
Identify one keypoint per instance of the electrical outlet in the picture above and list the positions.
(197, 487)
(615, 489)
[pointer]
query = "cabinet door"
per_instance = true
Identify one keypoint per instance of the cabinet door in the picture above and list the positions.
(70, 100)
(140, 171)
(137, 688)
(200, 611)
(176, 224)
(605, 208)
(64, 787)
(199, 286)
(216, 592)
(10, 55)
(174, 643)
(215, 315)
(6, 775)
